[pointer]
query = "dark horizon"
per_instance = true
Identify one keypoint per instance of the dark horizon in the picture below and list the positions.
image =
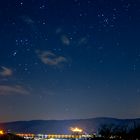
(64, 126)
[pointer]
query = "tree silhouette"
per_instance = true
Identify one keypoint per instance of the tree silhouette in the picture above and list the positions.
(106, 131)
(120, 132)
(135, 133)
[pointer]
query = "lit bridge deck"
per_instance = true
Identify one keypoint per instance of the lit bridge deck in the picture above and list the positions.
(55, 136)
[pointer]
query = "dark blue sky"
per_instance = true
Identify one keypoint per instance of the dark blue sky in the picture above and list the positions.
(69, 59)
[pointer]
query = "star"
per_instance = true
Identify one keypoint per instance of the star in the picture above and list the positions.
(15, 53)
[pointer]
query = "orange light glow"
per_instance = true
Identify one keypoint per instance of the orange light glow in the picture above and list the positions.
(76, 129)
(1, 132)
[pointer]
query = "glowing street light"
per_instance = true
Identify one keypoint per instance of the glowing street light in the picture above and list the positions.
(1, 132)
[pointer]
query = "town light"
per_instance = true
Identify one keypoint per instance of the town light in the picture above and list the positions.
(76, 129)
(1, 132)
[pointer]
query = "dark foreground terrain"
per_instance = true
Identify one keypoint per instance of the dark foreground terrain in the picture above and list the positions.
(10, 137)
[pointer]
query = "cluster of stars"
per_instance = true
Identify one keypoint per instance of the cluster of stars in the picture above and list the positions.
(56, 47)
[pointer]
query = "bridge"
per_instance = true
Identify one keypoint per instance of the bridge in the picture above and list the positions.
(55, 136)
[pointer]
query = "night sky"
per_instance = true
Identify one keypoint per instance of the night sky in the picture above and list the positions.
(69, 59)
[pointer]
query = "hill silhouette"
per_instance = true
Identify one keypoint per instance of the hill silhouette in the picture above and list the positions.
(63, 126)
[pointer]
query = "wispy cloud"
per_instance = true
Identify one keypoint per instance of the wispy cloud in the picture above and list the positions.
(10, 90)
(27, 19)
(58, 30)
(5, 72)
(31, 23)
(65, 40)
(82, 41)
(49, 58)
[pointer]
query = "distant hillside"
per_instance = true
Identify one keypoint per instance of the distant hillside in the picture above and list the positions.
(63, 126)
